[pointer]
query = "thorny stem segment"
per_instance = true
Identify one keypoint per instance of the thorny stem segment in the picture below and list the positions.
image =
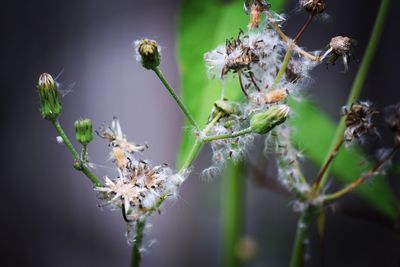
(300, 244)
(176, 98)
(136, 254)
(78, 162)
(226, 136)
(360, 77)
(349, 188)
(198, 143)
(328, 162)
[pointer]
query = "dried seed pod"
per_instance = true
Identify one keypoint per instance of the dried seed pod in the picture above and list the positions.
(313, 6)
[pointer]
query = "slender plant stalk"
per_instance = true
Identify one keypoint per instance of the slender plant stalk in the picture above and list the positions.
(227, 136)
(359, 81)
(198, 144)
(92, 177)
(176, 97)
(283, 67)
(233, 206)
(329, 161)
(84, 153)
(136, 254)
(299, 245)
(360, 180)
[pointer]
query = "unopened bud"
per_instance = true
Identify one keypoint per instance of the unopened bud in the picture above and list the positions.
(313, 6)
(148, 53)
(264, 122)
(83, 131)
(225, 106)
(50, 105)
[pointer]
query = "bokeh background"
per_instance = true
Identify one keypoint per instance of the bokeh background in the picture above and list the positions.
(49, 214)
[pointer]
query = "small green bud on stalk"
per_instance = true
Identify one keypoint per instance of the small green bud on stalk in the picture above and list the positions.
(225, 106)
(264, 122)
(148, 53)
(50, 105)
(83, 131)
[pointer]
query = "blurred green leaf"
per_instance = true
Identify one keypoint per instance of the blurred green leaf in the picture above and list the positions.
(203, 25)
(314, 133)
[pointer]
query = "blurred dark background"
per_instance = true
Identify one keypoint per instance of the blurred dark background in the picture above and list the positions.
(49, 214)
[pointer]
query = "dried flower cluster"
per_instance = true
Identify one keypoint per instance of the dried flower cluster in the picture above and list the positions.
(139, 188)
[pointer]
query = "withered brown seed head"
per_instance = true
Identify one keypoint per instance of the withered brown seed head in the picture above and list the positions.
(359, 120)
(313, 6)
(243, 60)
(341, 45)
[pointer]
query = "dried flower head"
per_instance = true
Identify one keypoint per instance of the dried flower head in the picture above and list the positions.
(117, 138)
(358, 120)
(392, 118)
(313, 6)
(140, 187)
(254, 8)
(340, 46)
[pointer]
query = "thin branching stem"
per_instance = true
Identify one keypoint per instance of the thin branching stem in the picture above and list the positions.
(227, 136)
(361, 76)
(199, 143)
(176, 98)
(328, 162)
(360, 180)
(78, 162)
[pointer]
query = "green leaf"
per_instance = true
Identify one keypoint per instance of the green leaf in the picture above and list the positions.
(314, 133)
(203, 25)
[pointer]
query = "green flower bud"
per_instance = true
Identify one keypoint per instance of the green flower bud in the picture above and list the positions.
(83, 131)
(50, 105)
(262, 123)
(225, 106)
(148, 53)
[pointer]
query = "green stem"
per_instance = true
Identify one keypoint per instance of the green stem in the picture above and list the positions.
(299, 245)
(66, 140)
(198, 144)
(226, 136)
(78, 164)
(283, 67)
(84, 153)
(233, 206)
(136, 254)
(361, 76)
(176, 97)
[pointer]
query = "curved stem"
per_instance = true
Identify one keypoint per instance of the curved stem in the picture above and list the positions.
(79, 166)
(361, 76)
(350, 187)
(176, 97)
(136, 254)
(300, 244)
(226, 136)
